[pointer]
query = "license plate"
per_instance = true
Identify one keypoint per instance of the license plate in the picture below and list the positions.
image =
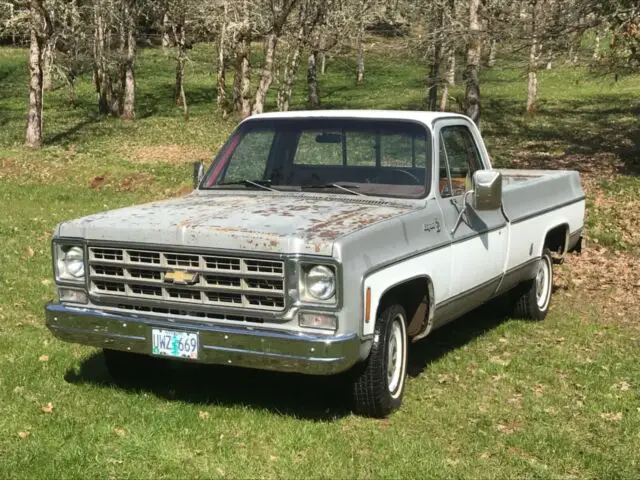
(173, 343)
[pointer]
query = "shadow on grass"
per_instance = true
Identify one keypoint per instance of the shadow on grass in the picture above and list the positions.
(315, 398)
(455, 335)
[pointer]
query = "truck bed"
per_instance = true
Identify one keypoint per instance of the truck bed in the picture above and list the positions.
(532, 192)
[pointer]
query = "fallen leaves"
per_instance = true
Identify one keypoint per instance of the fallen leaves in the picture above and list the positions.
(43, 358)
(203, 415)
(48, 408)
(499, 361)
(622, 385)
(611, 416)
(24, 434)
(508, 428)
(119, 431)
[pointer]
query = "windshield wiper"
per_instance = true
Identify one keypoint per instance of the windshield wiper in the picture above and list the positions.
(264, 184)
(348, 187)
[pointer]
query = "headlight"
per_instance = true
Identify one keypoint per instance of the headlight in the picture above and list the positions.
(70, 263)
(320, 282)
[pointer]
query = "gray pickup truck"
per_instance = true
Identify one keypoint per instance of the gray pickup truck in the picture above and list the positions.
(317, 242)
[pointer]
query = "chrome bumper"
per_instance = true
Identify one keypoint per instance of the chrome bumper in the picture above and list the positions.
(241, 346)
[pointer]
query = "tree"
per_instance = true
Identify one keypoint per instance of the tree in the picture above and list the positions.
(277, 19)
(40, 29)
(129, 91)
(472, 69)
(242, 36)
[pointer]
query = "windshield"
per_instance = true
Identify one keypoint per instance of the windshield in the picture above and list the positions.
(340, 155)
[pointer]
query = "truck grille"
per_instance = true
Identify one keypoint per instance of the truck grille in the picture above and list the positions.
(160, 278)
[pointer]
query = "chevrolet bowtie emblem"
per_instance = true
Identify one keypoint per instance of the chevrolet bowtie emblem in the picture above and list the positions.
(178, 276)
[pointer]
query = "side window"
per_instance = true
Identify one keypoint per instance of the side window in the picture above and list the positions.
(249, 159)
(459, 159)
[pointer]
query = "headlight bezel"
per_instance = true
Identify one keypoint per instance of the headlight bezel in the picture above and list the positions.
(304, 295)
(61, 247)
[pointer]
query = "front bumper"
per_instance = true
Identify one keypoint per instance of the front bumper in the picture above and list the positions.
(226, 345)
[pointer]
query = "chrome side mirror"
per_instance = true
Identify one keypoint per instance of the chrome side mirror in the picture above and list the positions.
(487, 190)
(198, 173)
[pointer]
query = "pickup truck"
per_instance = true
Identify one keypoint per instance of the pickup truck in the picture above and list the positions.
(317, 242)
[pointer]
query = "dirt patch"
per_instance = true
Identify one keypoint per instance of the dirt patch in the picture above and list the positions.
(129, 183)
(167, 154)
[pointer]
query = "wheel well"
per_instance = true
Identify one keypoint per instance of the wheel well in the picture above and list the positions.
(414, 295)
(556, 239)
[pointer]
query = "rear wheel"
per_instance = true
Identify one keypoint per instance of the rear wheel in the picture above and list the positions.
(379, 384)
(533, 297)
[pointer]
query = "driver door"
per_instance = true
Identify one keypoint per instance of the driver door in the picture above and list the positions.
(479, 238)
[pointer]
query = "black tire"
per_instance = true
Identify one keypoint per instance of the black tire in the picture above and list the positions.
(377, 390)
(129, 367)
(531, 299)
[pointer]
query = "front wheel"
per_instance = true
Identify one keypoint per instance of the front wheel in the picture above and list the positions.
(379, 385)
(533, 297)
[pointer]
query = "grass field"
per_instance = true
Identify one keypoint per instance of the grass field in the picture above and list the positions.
(487, 397)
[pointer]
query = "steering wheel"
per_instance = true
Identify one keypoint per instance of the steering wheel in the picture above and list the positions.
(404, 172)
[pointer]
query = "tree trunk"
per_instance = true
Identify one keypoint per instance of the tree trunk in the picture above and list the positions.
(115, 83)
(323, 63)
(100, 76)
(433, 79)
(266, 78)
(360, 58)
(313, 93)
(166, 39)
(181, 59)
(283, 99)
(47, 63)
(596, 48)
(221, 77)
(449, 78)
(532, 90)
(242, 76)
(129, 90)
(290, 70)
(493, 47)
(471, 74)
(34, 115)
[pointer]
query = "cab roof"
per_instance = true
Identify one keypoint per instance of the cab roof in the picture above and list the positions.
(421, 116)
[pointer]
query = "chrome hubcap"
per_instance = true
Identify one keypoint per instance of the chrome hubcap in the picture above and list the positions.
(396, 354)
(543, 283)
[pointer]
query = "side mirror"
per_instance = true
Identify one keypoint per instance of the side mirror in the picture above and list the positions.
(198, 173)
(487, 190)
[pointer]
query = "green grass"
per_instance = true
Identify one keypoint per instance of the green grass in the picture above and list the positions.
(486, 397)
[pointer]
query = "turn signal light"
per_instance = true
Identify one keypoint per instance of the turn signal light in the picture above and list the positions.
(318, 320)
(72, 295)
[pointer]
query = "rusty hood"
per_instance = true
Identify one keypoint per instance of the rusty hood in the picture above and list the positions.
(256, 221)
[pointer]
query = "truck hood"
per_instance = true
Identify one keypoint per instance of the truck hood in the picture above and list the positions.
(264, 222)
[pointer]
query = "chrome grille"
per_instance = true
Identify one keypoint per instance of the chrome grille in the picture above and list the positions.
(186, 314)
(222, 281)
